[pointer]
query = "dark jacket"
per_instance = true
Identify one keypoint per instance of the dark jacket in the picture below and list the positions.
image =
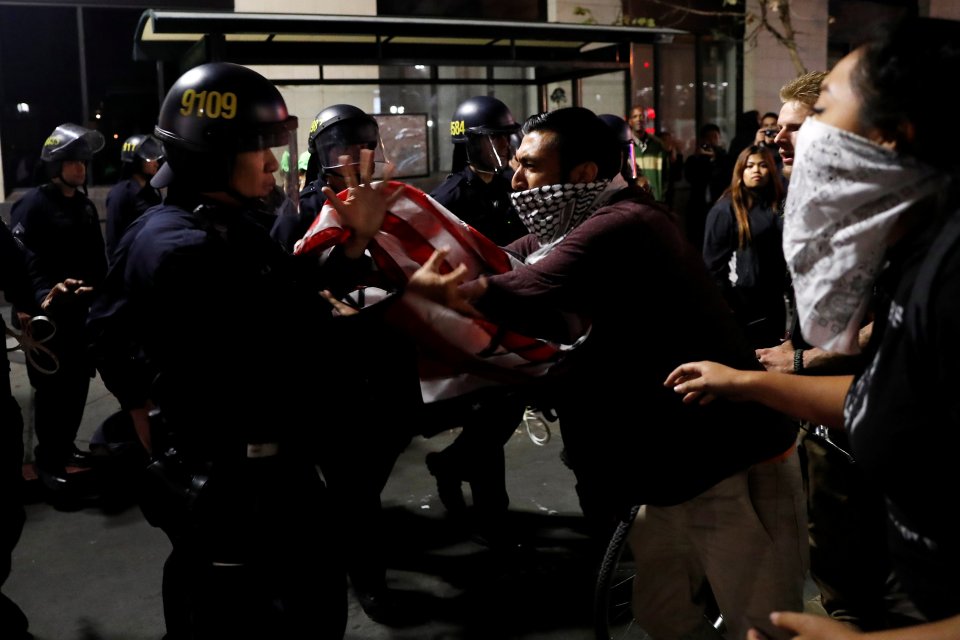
(485, 207)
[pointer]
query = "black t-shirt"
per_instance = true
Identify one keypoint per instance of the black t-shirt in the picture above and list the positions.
(903, 414)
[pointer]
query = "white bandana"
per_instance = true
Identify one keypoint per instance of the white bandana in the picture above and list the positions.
(845, 195)
(552, 211)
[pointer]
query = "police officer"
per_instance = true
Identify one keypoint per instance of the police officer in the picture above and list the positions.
(337, 130)
(15, 285)
(233, 481)
(16, 288)
(140, 158)
(478, 190)
(361, 458)
(59, 226)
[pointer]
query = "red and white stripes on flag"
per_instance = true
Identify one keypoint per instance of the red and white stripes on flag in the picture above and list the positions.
(457, 354)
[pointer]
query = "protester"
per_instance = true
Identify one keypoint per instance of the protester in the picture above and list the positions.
(873, 203)
(628, 442)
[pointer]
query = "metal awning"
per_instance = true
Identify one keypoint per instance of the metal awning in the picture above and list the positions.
(553, 49)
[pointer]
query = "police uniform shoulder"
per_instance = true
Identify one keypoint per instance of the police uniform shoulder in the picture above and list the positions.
(449, 186)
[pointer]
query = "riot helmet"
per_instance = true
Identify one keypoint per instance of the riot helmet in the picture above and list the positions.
(138, 150)
(142, 147)
(211, 114)
(343, 129)
(624, 135)
(69, 142)
(483, 125)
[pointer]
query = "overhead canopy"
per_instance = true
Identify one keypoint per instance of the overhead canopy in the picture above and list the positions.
(553, 49)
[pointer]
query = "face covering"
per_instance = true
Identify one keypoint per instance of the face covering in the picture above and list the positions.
(552, 211)
(844, 197)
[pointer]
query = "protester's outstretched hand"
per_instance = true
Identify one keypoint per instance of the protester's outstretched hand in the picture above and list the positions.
(448, 289)
(807, 626)
(366, 204)
(704, 381)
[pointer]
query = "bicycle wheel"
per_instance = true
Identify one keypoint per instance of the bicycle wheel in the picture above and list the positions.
(613, 594)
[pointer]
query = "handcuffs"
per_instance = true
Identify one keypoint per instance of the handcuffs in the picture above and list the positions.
(33, 347)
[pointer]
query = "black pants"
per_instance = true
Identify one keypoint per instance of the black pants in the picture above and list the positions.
(848, 545)
(12, 621)
(59, 401)
(476, 455)
(255, 558)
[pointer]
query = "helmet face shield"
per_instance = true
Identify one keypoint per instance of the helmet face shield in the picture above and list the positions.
(71, 142)
(490, 152)
(348, 139)
(285, 179)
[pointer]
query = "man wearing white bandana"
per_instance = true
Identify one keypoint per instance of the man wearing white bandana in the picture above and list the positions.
(721, 492)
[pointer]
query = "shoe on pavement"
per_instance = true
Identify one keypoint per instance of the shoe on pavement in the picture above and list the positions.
(382, 607)
(449, 486)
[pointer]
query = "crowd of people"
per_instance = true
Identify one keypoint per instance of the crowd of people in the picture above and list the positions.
(760, 392)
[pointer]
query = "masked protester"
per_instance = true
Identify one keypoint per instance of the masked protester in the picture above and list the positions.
(235, 435)
(604, 254)
(872, 211)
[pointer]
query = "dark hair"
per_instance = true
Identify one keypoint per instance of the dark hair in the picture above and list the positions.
(580, 136)
(743, 199)
(707, 128)
(770, 114)
(900, 80)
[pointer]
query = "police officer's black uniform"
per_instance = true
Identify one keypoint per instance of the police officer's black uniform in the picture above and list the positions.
(63, 237)
(16, 288)
(484, 206)
(244, 404)
(357, 460)
(129, 199)
(488, 423)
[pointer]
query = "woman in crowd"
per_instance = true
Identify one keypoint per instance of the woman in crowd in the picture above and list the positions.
(742, 246)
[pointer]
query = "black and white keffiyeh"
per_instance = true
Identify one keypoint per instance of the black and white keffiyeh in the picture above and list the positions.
(551, 212)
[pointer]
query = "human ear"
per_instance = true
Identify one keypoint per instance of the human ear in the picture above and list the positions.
(584, 172)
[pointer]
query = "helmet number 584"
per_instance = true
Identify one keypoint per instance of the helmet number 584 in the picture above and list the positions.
(209, 104)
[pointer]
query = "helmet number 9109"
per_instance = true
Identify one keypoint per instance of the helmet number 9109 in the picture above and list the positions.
(209, 104)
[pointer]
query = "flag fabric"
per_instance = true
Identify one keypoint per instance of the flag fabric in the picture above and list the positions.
(457, 354)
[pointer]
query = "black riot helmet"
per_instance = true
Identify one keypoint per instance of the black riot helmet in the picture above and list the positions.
(343, 129)
(69, 142)
(142, 147)
(484, 125)
(212, 113)
(138, 149)
(624, 134)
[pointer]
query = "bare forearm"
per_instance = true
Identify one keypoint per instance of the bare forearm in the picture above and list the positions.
(817, 399)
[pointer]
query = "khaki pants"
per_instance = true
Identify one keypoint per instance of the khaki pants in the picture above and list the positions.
(746, 536)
